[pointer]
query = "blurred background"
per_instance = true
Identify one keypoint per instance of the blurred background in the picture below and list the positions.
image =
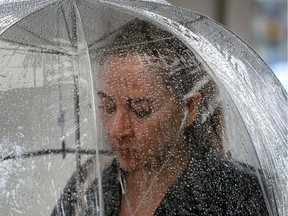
(261, 23)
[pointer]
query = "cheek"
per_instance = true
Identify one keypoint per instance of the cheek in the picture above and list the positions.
(159, 131)
(169, 126)
(147, 134)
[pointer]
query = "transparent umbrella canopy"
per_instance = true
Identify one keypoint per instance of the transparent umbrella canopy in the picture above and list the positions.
(51, 128)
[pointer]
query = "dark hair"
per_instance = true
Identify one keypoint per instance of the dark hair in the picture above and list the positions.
(184, 71)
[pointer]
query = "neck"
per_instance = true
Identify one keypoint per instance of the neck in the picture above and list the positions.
(145, 188)
(161, 172)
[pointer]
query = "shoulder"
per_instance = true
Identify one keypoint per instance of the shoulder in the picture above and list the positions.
(111, 188)
(67, 203)
(233, 187)
(111, 170)
(110, 178)
(216, 186)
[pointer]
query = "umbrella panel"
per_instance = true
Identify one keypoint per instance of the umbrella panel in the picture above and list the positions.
(25, 80)
(48, 123)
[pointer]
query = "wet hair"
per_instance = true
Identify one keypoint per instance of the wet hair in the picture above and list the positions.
(185, 74)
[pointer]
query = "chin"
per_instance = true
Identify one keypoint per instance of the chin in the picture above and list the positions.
(129, 164)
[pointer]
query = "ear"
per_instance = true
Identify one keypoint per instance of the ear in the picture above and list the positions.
(192, 104)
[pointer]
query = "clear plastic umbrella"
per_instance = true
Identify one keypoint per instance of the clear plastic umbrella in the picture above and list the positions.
(56, 60)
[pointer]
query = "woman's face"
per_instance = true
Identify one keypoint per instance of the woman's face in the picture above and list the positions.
(140, 115)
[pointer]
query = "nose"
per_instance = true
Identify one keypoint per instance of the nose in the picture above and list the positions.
(121, 127)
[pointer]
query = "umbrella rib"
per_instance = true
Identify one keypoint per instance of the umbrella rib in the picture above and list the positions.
(32, 33)
(66, 23)
(45, 50)
(79, 178)
(201, 17)
(27, 15)
(53, 151)
(37, 36)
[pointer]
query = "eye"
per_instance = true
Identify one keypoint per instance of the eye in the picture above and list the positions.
(107, 103)
(108, 108)
(142, 113)
(141, 107)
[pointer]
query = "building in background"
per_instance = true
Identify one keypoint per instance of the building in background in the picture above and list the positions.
(261, 23)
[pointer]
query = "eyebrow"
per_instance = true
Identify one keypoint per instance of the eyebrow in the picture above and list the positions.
(129, 100)
(139, 100)
(104, 95)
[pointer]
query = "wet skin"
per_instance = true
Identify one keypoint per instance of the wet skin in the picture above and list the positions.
(140, 115)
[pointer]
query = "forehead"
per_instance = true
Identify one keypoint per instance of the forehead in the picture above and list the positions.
(129, 72)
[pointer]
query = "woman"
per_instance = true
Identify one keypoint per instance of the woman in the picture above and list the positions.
(162, 118)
